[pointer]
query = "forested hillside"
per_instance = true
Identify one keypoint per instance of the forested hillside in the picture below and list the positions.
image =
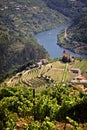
(70, 8)
(19, 20)
(76, 36)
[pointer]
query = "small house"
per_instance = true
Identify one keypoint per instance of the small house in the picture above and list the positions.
(44, 61)
(39, 64)
(75, 70)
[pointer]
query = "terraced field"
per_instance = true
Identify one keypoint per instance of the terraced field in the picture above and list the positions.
(49, 74)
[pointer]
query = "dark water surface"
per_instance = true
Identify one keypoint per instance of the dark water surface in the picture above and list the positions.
(49, 40)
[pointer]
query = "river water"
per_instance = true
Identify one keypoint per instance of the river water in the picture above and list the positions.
(49, 40)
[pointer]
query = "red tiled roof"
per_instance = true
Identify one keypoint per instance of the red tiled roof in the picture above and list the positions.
(44, 60)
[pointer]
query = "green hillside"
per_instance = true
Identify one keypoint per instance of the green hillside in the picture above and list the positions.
(37, 104)
(45, 98)
(76, 37)
(19, 21)
(70, 8)
(39, 78)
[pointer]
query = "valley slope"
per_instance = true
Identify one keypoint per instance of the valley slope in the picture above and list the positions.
(75, 37)
(19, 21)
(70, 8)
(76, 10)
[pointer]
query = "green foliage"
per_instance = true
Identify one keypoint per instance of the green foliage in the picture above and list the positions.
(74, 123)
(52, 104)
(14, 102)
(45, 125)
(46, 106)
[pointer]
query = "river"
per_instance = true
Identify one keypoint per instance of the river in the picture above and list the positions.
(49, 40)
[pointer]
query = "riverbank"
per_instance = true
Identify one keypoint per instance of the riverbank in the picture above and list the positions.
(76, 50)
(49, 40)
(74, 37)
(67, 44)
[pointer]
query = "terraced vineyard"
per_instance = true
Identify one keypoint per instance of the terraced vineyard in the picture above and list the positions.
(49, 74)
(33, 77)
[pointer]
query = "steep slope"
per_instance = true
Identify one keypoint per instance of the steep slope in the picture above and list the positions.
(76, 36)
(19, 21)
(70, 8)
(30, 16)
